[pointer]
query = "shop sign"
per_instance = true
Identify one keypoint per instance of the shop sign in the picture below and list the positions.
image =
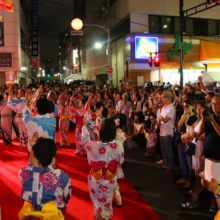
(144, 46)
(176, 66)
(34, 27)
(176, 49)
(34, 72)
(1, 34)
(5, 60)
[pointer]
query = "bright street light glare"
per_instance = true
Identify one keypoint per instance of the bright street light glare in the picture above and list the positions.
(98, 45)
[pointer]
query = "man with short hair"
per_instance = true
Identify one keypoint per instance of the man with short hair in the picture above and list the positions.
(167, 122)
(124, 108)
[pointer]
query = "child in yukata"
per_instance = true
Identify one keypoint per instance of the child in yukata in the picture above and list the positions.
(64, 113)
(77, 116)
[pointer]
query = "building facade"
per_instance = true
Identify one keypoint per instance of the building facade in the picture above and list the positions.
(139, 27)
(15, 44)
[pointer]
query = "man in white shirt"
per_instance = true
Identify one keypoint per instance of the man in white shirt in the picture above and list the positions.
(167, 123)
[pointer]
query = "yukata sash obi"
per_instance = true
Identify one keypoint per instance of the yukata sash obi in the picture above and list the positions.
(101, 169)
(49, 212)
(65, 117)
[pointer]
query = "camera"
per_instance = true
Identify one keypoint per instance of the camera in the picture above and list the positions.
(205, 113)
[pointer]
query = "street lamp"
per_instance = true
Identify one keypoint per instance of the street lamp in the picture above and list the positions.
(77, 24)
(98, 45)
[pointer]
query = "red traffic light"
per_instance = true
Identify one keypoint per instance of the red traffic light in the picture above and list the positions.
(156, 61)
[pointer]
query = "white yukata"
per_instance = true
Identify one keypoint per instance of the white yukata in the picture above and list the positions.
(18, 105)
(45, 125)
(104, 159)
(6, 121)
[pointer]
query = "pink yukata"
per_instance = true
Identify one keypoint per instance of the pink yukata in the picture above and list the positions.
(103, 158)
(64, 114)
(77, 116)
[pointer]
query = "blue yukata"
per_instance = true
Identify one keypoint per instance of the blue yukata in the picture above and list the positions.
(40, 186)
(18, 105)
(45, 125)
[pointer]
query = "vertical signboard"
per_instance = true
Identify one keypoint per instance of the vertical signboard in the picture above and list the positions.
(1, 34)
(34, 27)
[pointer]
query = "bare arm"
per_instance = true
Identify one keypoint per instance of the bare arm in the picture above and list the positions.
(202, 127)
(204, 88)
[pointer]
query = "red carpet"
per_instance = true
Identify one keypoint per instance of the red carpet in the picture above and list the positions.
(80, 205)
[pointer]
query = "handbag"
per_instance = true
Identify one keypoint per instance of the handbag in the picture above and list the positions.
(190, 148)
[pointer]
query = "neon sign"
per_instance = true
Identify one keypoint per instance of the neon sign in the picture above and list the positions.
(144, 46)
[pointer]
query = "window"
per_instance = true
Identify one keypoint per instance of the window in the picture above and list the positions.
(189, 27)
(200, 27)
(213, 27)
(154, 26)
(120, 30)
(23, 40)
(193, 26)
(166, 23)
(177, 25)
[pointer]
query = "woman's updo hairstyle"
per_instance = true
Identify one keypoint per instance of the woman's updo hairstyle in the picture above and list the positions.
(45, 150)
(120, 120)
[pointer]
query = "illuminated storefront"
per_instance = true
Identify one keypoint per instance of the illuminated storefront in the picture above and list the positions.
(191, 71)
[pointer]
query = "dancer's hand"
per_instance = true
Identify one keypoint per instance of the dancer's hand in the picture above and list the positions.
(34, 138)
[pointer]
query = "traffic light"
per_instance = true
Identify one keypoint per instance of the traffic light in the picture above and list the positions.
(150, 60)
(156, 61)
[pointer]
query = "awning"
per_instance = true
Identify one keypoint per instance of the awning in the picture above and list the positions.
(189, 66)
(210, 77)
(209, 51)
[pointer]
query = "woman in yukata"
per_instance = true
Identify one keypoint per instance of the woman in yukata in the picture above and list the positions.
(45, 191)
(105, 158)
(77, 116)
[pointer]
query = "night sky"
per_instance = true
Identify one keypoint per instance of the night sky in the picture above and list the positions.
(53, 19)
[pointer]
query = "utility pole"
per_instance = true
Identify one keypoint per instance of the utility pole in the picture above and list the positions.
(181, 41)
(109, 45)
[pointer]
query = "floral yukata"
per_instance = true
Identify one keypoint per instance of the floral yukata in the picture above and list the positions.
(40, 186)
(45, 125)
(105, 160)
(77, 116)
